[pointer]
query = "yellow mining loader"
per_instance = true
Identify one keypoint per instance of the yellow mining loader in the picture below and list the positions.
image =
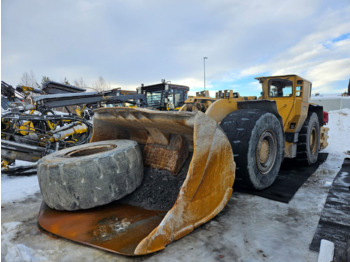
(200, 102)
(164, 96)
(151, 177)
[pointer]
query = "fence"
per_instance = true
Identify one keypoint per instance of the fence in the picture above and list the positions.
(332, 103)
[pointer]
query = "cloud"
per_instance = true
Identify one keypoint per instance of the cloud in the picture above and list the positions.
(317, 56)
(331, 72)
(134, 42)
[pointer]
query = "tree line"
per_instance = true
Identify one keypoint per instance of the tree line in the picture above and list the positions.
(28, 79)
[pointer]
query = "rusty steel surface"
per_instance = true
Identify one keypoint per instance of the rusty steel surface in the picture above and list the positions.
(114, 227)
(142, 125)
(204, 193)
(166, 157)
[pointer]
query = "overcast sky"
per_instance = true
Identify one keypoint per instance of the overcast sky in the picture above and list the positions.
(134, 42)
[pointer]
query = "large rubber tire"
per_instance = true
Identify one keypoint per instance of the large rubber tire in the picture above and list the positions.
(257, 142)
(90, 175)
(309, 140)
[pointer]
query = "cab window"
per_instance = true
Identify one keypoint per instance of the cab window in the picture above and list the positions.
(154, 98)
(280, 88)
(177, 97)
(299, 88)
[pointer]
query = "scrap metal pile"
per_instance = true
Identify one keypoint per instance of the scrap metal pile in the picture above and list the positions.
(31, 130)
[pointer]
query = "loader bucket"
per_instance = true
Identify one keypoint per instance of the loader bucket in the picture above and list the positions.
(172, 142)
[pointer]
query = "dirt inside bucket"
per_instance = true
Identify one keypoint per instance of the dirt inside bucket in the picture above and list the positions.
(159, 188)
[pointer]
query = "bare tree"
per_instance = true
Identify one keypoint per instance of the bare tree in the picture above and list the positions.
(66, 82)
(80, 83)
(101, 85)
(28, 79)
(45, 79)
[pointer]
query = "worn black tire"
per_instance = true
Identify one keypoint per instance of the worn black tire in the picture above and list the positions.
(309, 140)
(249, 132)
(90, 175)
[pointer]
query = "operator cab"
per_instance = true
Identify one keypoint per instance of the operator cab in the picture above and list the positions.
(280, 88)
(164, 96)
(291, 94)
(275, 87)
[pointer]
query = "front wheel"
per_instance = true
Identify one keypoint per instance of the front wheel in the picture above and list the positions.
(257, 142)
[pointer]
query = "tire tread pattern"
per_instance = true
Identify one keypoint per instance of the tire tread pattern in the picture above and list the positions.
(86, 182)
(239, 126)
(304, 155)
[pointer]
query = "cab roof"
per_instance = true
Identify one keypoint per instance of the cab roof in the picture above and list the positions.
(281, 76)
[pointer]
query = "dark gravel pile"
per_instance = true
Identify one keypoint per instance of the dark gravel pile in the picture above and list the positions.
(159, 188)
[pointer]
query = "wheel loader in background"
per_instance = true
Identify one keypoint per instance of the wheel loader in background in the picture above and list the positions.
(149, 177)
(200, 102)
(164, 96)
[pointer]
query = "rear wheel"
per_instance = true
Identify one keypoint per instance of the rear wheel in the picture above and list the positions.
(309, 140)
(257, 142)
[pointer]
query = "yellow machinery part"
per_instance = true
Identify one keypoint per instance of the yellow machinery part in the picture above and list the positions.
(5, 164)
(324, 137)
(204, 193)
(79, 111)
(26, 128)
(51, 124)
(67, 131)
(222, 107)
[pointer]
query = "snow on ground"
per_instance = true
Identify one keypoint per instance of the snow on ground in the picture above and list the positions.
(250, 228)
(339, 124)
(18, 188)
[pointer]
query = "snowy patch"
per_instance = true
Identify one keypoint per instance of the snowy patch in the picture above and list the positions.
(22, 253)
(17, 252)
(328, 183)
(339, 126)
(8, 230)
(18, 188)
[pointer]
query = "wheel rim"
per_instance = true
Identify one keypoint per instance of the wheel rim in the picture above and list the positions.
(90, 150)
(266, 151)
(313, 140)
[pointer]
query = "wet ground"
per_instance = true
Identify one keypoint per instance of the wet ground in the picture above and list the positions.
(250, 228)
(334, 223)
